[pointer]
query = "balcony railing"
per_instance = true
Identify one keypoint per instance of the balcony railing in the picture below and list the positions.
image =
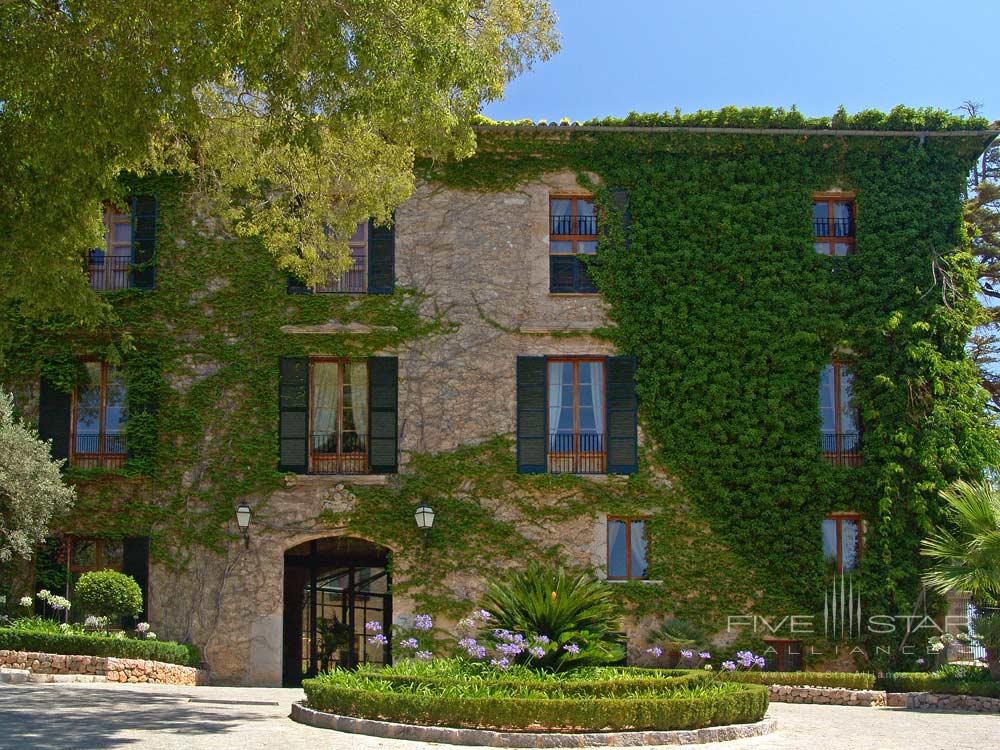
(351, 458)
(577, 453)
(566, 225)
(109, 272)
(842, 449)
(95, 450)
(833, 227)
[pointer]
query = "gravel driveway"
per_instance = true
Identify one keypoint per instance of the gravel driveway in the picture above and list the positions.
(186, 718)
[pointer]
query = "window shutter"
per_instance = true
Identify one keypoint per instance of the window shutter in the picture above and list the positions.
(381, 258)
(135, 563)
(619, 197)
(383, 400)
(297, 286)
(562, 273)
(144, 241)
(293, 417)
(583, 282)
(531, 438)
(54, 417)
(622, 416)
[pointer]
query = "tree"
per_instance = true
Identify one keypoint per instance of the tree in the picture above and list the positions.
(32, 491)
(294, 121)
(965, 555)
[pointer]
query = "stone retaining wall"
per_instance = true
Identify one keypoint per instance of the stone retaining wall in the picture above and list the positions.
(113, 669)
(945, 702)
(830, 696)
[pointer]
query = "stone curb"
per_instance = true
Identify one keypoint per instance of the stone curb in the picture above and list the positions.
(881, 698)
(453, 736)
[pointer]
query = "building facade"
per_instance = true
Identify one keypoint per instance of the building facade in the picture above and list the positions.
(474, 360)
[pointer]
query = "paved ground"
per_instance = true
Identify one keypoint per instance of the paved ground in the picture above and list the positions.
(173, 718)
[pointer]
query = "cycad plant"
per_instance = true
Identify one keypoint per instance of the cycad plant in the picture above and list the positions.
(576, 613)
(965, 555)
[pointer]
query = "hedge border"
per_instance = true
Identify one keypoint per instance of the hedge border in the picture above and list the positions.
(12, 639)
(849, 680)
(746, 704)
(922, 682)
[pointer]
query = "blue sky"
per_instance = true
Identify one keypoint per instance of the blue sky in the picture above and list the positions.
(655, 55)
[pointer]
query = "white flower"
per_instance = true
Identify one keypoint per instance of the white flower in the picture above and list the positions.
(150, 636)
(64, 626)
(58, 603)
(44, 595)
(25, 601)
(937, 647)
(3, 600)
(142, 627)
(708, 667)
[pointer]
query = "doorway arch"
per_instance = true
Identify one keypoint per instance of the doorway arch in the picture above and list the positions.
(333, 586)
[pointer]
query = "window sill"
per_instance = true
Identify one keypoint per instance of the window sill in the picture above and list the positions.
(652, 581)
(574, 294)
(336, 326)
(323, 480)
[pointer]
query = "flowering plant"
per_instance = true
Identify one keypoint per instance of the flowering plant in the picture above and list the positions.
(413, 642)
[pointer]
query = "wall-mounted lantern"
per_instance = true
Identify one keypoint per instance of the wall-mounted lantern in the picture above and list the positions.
(424, 516)
(243, 514)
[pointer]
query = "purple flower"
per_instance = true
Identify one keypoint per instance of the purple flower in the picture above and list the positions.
(510, 649)
(482, 614)
(373, 627)
(423, 622)
(424, 655)
(378, 639)
(656, 651)
(745, 658)
(543, 639)
(572, 648)
(467, 643)
(409, 643)
(705, 655)
(478, 653)
(686, 654)
(729, 666)
(466, 623)
(760, 661)
(537, 651)
(499, 663)
(920, 662)
(501, 634)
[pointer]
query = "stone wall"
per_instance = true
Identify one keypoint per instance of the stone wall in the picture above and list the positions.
(829, 696)
(111, 668)
(945, 702)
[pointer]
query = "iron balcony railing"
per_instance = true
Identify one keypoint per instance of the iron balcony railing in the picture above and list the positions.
(833, 227)
(350, 457)
(566, 225)
(577, 453)
(93, 442)
(842, 449)
(109, 272)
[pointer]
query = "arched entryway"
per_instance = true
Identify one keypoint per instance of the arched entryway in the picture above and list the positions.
(333, 586)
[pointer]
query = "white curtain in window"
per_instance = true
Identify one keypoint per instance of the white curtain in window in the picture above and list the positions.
(850, 535)
(324, 406)
(357, 376)
(827, 408)
(830, 539)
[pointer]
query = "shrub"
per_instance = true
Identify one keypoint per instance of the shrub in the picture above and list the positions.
(920, 682)
(577, 614)
(94, 644)
(481, 705)
(108, 593)
(849, 680)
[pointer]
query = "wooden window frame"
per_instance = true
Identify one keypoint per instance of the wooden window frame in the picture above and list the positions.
(781, 655)
(840, 457)
(101, 458)
(572, 238)
(628, 521)
(839, 518)
(100, 563)
(107, 276)
(362, 270)
(831, 241)
(576, 457)
(339, 462)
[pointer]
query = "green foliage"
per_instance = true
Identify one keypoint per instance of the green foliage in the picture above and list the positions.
(986, 625)
(32, 492)
(916, 682)
(849, 680)
(259, 99)
(493, 699)
(965, 550)
(569, 610)
(679, 633)
(108, 593)
(97, 644)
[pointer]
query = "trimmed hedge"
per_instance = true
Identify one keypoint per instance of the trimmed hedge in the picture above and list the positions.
(93, 645)
(720, 704)
(924, 682)
(849, 680)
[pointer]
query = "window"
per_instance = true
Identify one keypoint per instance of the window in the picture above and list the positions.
(626, 548)
(572, 234)
(95, 554)
(782, 655)
(338, 416)
(355, 279)
(100, 411)
(842, 534)
(110, 267)
(839, 418)
(833, 224)
(576, 416)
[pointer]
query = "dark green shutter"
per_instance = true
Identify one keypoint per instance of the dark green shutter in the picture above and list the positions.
(619, 197)
(144, 241)
(54, 417)
(531, 438)
(293, 417)
(622, 416)
(383, 439)
(135, 563)
(381, 258)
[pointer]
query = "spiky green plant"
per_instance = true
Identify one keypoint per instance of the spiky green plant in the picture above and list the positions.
(567, 609)
(680, 633)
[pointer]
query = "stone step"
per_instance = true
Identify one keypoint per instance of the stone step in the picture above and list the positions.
(14, 676)
(62, 678)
